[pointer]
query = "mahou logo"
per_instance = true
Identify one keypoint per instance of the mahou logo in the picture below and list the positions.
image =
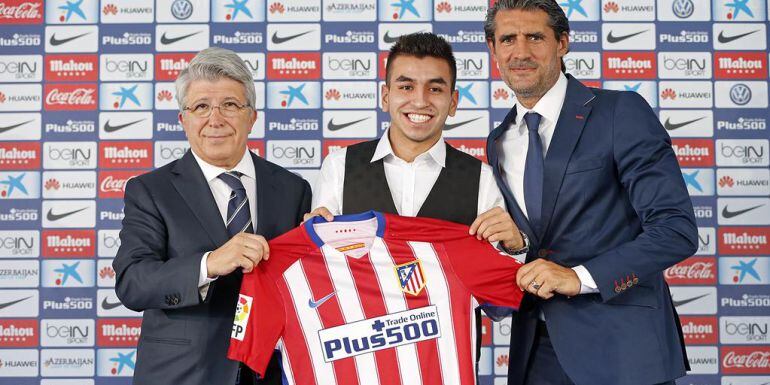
(740, 65)
(69, 243)
(118, 332)
(294, 66)
(257, 147)
(746, 359)
(19, 155)
(694, 152)
(125, 154)
(112, 184)
(629, 65)
(71, 97)
(21, 12)
(473, 147)
(744, 240)
(19, 333)
(693, 271)
(73, 67)
(699, 330)
(331, 145)
(169, 65)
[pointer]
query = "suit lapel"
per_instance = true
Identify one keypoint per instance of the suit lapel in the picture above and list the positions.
(513, 207)
(190, 183)
(267, 196)
(572, 119)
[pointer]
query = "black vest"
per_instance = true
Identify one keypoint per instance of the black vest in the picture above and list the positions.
(454, 197)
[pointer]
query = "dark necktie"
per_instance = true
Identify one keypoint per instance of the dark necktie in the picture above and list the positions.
(238, 210)
(533, 172)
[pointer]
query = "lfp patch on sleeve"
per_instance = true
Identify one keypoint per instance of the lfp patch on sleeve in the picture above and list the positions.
(242, 311)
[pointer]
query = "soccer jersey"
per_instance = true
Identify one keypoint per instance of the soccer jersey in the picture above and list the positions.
(371, 299)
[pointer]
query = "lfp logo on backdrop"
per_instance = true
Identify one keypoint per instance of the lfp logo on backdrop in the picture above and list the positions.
(87, 102)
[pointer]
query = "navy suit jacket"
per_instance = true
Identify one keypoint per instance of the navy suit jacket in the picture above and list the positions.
(615, 202)
(171, 220)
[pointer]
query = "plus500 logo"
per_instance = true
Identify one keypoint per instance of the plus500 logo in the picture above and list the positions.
(373, 334)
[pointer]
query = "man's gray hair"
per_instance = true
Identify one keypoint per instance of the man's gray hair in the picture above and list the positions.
(212, 64)
(557, 20)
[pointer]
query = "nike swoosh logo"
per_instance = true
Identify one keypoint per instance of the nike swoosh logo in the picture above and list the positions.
(673, 126)
(686, 301)
(55, 217)
(337, 127)
(110, 128)
(615, 39)
(55, 41)
(110, 305)
(165, 40)
(726, 39)
(8, 128)
(391, 39)
(731, 214)
(279, 40)
(315, 304)
(448, 127)
(5, 305)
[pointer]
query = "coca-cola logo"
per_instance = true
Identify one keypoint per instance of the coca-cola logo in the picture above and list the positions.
(111, 184)
(695, 270)
(78, 96)
(26, 10)
(751, 360)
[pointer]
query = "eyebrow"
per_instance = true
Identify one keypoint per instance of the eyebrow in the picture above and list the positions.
(528, 34)
(405, 79)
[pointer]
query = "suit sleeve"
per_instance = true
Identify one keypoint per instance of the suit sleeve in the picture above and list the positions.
(259, 321)
(145, 277)
(487, 273)
(649, 172)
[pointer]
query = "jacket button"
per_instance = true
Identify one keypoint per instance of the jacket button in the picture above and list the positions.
(617, 289)
(542, 253)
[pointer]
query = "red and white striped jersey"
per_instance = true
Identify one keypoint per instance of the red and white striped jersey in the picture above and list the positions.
(371, 299)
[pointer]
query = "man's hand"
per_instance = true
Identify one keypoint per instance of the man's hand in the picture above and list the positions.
(244, 250)
(321, 211)
(544, 278)
(497, 225)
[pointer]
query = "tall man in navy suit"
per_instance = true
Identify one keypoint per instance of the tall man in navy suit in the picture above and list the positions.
(194, 226)
(589, 175)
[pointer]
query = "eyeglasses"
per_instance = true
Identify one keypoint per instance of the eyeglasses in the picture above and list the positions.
(227, 109)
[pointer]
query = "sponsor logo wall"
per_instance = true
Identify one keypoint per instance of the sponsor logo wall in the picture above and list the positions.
(87, 102)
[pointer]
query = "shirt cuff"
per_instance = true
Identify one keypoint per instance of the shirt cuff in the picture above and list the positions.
(587, 283)
(203, 277)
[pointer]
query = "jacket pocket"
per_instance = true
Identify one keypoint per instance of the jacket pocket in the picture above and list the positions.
(582, 165)
(637, 296)
(168, 341)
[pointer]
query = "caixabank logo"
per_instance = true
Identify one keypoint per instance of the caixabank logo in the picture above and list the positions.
(739, 10)
(647, 88)
(237, 11)
(744, 270)
(581, 10)
(699, 181)
(19, 185)
(116, 362)
(472, 94)
(405, 10)
(68, 273)
(71, 12)
(293, 95)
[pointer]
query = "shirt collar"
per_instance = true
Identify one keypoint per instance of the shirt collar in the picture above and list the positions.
(384, 148)
(549, 106)
(211, 172)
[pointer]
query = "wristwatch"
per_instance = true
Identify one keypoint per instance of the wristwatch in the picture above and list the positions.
(522, 250)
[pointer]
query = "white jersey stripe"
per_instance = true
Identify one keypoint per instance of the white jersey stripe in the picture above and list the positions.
(286, 363)
(436, 284)
(472, 315)
(350, 307)
(309, 321)
(383, 264)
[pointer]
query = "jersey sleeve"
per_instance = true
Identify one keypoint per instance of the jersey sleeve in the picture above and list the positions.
(259, 321)
(487, 273)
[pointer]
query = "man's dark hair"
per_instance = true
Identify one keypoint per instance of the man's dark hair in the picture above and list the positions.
(420, 45)
(557, 20)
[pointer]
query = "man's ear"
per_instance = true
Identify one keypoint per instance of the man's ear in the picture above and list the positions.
(385, 92)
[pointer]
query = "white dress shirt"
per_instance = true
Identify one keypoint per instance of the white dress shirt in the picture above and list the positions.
(409, 183)
(221, 192)
(512, 149)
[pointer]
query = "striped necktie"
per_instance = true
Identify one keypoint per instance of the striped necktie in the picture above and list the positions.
(238, 210)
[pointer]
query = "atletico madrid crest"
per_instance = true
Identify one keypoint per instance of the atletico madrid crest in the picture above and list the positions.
(411, 277)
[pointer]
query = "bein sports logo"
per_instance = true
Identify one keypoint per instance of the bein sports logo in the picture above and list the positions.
(740, 94)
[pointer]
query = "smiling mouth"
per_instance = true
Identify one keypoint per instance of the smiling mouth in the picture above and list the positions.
(418, 118)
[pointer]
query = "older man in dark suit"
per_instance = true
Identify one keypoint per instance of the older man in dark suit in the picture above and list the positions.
(192, 228)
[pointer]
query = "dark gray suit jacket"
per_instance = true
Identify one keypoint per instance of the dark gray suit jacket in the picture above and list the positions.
(171, 220)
